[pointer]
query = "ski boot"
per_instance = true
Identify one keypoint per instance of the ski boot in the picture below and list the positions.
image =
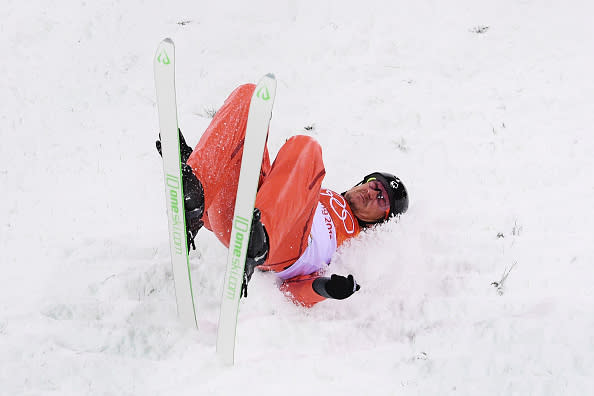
(257, 250)
(193, 191)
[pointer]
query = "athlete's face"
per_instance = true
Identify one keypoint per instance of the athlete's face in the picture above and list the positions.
(369, 201)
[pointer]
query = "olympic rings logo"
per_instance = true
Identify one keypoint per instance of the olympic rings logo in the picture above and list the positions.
(339, 207)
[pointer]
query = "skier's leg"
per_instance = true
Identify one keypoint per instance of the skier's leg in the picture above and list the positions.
(288, 199)
(216, 161)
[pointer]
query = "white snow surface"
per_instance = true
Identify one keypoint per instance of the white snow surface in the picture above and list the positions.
(484, 109)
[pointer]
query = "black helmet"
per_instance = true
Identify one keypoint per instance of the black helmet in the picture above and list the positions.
(396, 192)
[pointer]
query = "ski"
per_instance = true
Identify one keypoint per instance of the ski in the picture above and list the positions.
(259, 116)
(164, 68)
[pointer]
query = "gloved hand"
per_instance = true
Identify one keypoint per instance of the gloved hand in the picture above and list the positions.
(337, 286)
(185, 150)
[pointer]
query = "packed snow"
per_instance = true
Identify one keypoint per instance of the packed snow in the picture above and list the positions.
(484, 109)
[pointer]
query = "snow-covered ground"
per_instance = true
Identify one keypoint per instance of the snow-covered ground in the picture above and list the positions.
(483, 108)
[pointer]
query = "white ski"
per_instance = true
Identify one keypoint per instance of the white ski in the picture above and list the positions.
(164, 66)
(255, 139)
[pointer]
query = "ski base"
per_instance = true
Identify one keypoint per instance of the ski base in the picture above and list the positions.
(259, 116)
(164, 68)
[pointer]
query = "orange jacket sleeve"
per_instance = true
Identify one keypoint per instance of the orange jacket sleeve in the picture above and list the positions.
(300, 290)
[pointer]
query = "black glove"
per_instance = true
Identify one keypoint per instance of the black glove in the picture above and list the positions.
(185, 150)
(257, 250)
(337, 286)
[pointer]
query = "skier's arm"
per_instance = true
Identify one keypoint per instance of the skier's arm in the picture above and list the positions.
(308, 290)
(300, 290)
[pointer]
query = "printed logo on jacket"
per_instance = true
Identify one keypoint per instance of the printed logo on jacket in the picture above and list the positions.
(340, 212)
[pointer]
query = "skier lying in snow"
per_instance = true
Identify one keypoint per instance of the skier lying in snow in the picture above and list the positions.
(297, 225)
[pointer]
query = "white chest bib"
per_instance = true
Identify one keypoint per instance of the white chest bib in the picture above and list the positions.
(321, 246)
